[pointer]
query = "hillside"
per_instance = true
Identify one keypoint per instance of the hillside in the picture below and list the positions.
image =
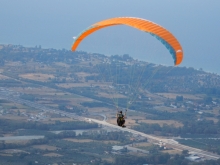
(161, 100)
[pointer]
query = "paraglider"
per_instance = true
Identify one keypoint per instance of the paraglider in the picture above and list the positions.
(154, 29)
(157, 31)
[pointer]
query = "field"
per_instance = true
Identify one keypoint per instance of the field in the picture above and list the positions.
(12, 117)
(63, 119)
(169, 109)
(212, 118)
(50, 97)
(12, 151)
(101, 110)
(14, 63)
(37, 76)
(71, 85)
(82, 75)
(185, 96)
(45, 147)
(172, 151)
(52, 154)
(162, 122)
(113, 142)
(79, 140)
(2, 77)
(142, 145)
(62, 64)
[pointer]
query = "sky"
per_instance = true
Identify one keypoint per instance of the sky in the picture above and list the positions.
(54, 23)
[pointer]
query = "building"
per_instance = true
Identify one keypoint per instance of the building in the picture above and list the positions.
(193, 158)
(119, 149)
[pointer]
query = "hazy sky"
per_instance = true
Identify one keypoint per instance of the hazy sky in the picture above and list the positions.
(53, 23)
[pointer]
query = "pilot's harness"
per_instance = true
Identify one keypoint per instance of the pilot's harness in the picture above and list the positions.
(120, 116)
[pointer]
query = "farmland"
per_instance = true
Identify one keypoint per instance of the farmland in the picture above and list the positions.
(163, 105)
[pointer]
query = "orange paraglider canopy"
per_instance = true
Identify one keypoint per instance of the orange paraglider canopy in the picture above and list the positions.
(154, 29)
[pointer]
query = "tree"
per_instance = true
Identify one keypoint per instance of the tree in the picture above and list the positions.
(185, 152)
(179, 98)
(208, 99)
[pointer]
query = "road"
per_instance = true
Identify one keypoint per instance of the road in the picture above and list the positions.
(173, 143)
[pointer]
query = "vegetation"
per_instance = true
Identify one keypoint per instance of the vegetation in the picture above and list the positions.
(9, 125)
(206, 127)
(212, 145)
(83, 74)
